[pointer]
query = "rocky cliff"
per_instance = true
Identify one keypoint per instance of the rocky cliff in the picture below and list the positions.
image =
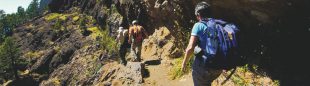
(272, 35)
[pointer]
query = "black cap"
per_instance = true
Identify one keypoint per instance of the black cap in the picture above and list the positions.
(202, 9)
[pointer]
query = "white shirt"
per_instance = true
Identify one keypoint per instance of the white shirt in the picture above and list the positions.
(121, 34)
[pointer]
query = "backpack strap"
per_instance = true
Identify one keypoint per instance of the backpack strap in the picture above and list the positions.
(205, 32)
(205, 23)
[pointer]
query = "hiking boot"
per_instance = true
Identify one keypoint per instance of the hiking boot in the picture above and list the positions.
(136, 59)
(123, 62)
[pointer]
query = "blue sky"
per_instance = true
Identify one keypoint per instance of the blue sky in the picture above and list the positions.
(10, 6)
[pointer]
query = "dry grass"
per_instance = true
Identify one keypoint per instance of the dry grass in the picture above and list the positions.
(63, 17)
(33, 54)
(176, 71)
(56, 81)
(95, 32)
(75, 18)
(57, 48)
(244, 77)
(52, 16)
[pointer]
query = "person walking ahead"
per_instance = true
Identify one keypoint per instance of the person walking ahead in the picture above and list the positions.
(136, 37)
(122, 38)
(203, 75)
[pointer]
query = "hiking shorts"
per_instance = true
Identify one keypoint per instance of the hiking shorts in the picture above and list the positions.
(203, 75)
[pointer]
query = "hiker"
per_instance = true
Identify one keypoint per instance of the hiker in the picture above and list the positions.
(136, 37)
(122, 37)
(201, 73)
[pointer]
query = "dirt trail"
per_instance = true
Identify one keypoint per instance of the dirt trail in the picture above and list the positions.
(159, 76)
(156, 54)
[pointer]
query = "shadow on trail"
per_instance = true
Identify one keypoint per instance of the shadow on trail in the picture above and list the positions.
(152, 62)
(146, 73)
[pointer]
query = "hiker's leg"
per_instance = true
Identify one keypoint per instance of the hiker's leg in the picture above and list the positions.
(139, 47)
(122, 52)
(134, 50)
(200, 79)
(132, 45)
(214, 74)
(203, 76)
(198, 74)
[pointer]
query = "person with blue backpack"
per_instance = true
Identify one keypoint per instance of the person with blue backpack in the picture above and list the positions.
(213, 42)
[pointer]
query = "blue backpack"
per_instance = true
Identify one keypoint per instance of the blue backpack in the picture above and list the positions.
(221, 44)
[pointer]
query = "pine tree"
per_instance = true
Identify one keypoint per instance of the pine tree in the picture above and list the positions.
(1, 14)
(21, 14)
(9, 59)
(33, 9)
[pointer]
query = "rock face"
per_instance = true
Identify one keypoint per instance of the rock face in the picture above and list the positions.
(83, 65)
(55, 47)
(160, 46)
(63, 55)
(42, 63)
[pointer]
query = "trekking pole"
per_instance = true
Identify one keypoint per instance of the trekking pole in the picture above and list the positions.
(229, 76)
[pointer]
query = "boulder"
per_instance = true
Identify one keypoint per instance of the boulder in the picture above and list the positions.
(132, 74)
(41, 66)
(62, 57)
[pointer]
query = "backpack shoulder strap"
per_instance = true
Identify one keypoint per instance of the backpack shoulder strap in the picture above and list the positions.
(205, 23)
(131, 30)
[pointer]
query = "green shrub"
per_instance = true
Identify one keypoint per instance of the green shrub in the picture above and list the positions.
(107, 42)
(82, 25)
(57, 27)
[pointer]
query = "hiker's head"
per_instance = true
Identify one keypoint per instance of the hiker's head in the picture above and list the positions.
(134, 22)
(120, 28)
(202, 10)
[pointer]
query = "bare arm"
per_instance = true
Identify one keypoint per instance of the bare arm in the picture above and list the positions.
(118, 36)
(189, 50)
(129, 35)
